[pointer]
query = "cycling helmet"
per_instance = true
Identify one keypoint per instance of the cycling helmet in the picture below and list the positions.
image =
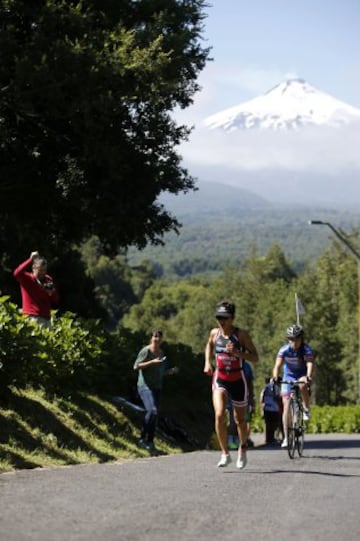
(294, 331)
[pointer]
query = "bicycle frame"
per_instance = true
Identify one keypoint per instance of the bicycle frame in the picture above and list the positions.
(295, 420)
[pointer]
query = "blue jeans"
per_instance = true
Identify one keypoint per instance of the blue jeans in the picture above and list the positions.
(151, 400)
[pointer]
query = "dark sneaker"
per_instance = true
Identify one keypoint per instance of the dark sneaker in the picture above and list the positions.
(142, 443)
(148, 445)
(151, 447)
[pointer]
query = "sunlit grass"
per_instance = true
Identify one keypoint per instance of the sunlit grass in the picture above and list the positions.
(38, 431)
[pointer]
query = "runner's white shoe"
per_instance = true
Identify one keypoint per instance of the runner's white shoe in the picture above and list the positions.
(241, 461)
(224, 461)
(284, 443)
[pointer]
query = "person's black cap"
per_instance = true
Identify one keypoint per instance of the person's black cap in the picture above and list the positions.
(225, 309)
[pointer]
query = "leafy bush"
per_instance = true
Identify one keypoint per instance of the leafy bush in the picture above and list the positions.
(327, 419)
(66, 356)
(324, 420)
(79, 354)
(18, 345)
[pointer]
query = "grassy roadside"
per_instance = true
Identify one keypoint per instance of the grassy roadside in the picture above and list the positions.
(41, 431)
(36, 431)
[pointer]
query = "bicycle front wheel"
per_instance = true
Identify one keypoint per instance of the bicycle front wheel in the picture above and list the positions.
(291, 429)
(300, 433)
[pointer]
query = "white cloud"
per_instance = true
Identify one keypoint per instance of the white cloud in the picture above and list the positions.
(224, 85)
(315, 149)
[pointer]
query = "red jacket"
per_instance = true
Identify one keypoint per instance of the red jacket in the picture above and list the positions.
(36, 300)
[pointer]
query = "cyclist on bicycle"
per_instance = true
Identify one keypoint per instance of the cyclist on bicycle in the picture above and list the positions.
(297, 359)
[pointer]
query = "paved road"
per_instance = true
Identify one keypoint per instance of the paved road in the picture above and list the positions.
(185, 497)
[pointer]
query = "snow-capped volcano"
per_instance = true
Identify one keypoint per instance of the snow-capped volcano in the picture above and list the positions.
(290, 105)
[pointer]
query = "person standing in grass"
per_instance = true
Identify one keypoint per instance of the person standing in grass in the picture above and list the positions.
(38, 291)
(231, 346)
(151, 365)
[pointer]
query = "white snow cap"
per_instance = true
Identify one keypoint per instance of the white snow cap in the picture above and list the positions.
(290, 105)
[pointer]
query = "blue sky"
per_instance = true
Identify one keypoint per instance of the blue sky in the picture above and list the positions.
(257, 43)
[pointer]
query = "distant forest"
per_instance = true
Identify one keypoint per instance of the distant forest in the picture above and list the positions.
(211, 239)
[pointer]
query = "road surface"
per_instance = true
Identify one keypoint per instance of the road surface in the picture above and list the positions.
(187, 498)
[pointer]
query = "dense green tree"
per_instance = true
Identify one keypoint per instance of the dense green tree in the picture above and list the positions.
(165, 306)
(185, 310)
(117, 285)
(332, 319)
(263, 289)
(87, 141)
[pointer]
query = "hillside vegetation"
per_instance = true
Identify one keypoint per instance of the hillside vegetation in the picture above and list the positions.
(221, 225)
(89, 146)
(39, 431)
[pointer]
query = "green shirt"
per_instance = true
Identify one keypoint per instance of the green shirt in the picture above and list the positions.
(151, 376)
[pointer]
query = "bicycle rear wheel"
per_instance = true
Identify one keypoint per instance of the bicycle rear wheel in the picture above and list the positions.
(300, 432)
(291, 429)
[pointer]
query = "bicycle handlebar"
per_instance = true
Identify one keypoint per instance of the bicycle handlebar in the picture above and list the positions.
(296, 383)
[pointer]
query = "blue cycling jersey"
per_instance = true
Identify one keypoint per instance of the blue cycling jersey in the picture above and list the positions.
(294, 360)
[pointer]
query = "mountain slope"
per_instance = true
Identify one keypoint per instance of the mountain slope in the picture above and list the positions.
(290, 105)
(212, 197)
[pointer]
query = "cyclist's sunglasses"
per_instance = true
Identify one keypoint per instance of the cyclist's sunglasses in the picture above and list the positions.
(222, 318)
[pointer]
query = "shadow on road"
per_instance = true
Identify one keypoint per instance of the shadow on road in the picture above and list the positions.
(312, 444)
(333, 443)
(304, 472)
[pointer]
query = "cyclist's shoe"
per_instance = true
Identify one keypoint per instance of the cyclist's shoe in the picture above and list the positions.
(284, 443)
(307, 415)
(224, 461)
(241, 461)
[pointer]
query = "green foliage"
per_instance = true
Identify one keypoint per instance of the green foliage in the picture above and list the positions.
(80, 354)
(66, 356)
(210, 240)
(74, 354)
(87, 138)
(117, 285)
(16, 345)
(179, 309)
(324, 420)
(327, 419)
(263, 289)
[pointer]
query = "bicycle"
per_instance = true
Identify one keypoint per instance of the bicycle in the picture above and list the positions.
(295, 420)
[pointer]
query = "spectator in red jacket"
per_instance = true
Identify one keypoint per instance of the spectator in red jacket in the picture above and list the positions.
(38, 291)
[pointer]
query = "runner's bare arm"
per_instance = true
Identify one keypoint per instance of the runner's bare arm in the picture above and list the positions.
(209, 350)
(251, 353)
